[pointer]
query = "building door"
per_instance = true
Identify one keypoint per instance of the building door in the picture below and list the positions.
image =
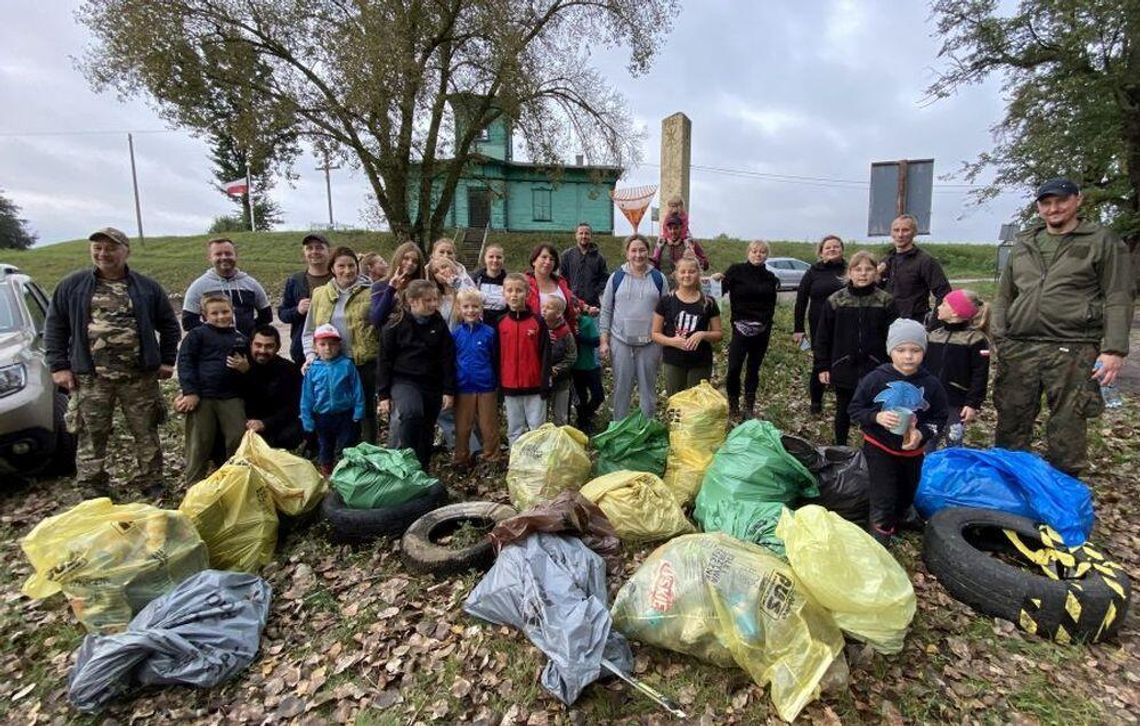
(478, 207)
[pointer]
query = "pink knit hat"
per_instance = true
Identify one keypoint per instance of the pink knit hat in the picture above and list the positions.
(961, 304)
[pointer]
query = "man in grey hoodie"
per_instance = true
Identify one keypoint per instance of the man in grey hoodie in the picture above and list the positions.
(251, 304)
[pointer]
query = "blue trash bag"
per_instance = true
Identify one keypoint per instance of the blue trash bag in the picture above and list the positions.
(1017, 482)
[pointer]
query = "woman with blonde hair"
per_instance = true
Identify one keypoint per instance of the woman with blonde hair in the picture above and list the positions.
(751, 288)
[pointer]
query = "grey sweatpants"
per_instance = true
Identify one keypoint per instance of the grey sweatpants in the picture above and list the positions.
(631, 362)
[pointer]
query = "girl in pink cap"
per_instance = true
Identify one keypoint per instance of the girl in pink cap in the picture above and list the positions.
(958, 354)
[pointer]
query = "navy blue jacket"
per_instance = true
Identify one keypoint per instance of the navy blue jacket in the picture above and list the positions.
(296, 290)
(202, 367)
(863, 408)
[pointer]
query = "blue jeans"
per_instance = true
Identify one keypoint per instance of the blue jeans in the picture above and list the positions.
(335, 432)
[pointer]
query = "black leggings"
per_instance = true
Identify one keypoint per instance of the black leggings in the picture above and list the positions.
(843, 398)
(739, 348)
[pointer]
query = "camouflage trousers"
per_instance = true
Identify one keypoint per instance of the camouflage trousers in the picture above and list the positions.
(1025, 371)
(93, 406)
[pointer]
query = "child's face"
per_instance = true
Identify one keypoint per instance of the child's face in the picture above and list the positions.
(688, 274)
(426, 305)
(551, 312)
(327, 348)
(946, 313)
(219, 314)
(493, 260)
(377, 268)
(445, 250)
(906, 358)
(471, 311)
(515, 293)
(409, 263)
(862, 274)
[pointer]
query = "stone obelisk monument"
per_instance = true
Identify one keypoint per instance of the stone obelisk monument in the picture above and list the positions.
(676, 149)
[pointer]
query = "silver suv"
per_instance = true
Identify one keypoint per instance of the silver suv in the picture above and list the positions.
(33, 437)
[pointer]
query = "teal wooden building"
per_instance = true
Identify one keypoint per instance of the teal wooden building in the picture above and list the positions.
(514, 196)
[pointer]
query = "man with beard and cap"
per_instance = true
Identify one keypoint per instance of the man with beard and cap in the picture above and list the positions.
(272, 392)
(251, 304)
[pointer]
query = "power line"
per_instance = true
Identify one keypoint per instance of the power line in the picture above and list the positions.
(17, 134)
(823, 181)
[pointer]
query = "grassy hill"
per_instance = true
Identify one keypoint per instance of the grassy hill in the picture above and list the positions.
(273, 256)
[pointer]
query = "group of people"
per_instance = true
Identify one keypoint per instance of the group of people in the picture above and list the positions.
(426, 343)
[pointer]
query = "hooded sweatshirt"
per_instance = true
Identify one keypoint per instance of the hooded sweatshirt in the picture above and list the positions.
(251, 304)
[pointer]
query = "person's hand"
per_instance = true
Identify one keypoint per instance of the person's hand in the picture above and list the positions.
(718, 276)
(165, 371)
(591, 310)
(797, 338)
(186, 403)
(693, 340)
(1110, 365)
(64, 379)
(383, 407)
(887, 419)
(447, 402)
(825, 377)
(882, 268)
(255, 425)
(305, 366)
(303, 306)
(238, 362)
(398, 280)
(911, 439)
(604, 348)
(968, 414)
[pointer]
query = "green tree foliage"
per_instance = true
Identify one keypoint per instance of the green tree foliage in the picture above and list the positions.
(1071, 71)
(370, 80)
(14, 234)
(230, 160)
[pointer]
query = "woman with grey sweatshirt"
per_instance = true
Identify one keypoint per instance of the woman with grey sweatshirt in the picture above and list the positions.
(626, 327)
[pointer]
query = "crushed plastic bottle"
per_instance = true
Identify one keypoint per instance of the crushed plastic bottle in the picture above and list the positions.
(955, 435)
(1110, 394)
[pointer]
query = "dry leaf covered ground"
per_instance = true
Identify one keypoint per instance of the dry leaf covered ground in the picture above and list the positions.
(354, 638)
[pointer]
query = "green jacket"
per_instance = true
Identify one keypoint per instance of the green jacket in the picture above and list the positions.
(1085, 296)
(365, 339)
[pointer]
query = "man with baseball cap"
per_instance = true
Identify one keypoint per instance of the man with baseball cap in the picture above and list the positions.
(1061, 320)
(110, 335)
(299, 287)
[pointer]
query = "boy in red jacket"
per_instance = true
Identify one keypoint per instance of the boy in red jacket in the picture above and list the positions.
(524, 360)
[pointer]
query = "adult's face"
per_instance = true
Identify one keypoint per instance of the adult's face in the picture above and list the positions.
(109, 257)
(1059, 211)
(223, 257)
(493, 260)
(832, 251)
(902, 234)
(673, 232)
(316, 255)
(345, 270)
(637, 254)
(543, 264)
(757, 254)
(444, 249)
(583, 235)
(263, 348)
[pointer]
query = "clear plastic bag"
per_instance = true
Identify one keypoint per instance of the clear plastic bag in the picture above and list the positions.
(639, 506)
(544, 462)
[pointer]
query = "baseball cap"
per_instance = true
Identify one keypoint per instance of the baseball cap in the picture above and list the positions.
(673, 221)
(1059, 187)
(326, 331)
(315, 238)
(110, 233)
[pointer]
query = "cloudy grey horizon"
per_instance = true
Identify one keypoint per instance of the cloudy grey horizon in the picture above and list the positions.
(820, 90)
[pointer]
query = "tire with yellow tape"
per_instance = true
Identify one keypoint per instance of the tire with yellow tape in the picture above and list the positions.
(1006, 566)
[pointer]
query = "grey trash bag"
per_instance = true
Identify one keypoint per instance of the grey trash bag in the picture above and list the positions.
(201, 633)
(553, 588)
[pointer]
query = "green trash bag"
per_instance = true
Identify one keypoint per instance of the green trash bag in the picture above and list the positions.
(369, 477)
(635, 443)
(750, 479)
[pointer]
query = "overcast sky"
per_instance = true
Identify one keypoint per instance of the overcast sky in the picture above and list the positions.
(817, 88)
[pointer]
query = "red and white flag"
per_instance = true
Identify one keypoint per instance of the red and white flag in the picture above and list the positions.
(236, 188)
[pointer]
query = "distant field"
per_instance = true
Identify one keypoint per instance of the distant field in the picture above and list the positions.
(273, 256)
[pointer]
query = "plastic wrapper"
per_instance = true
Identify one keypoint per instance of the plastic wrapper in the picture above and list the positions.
(732, 603)
(371, 477)
(294, 483)
(111, 560)
(235, 515)
(698, 420)
(867, 591)
(544, 462)
(568, 513)
(635, 443)
(639, 506)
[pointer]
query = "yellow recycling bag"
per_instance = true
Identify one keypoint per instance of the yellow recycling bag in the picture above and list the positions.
(235, 516)
(697, 418)
(111, 560)
(849, 573)
(726, 601)
(294, 483)
(544, 462)
(638, 505)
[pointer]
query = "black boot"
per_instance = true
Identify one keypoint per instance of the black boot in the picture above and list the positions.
(733, 410)
(749, 407)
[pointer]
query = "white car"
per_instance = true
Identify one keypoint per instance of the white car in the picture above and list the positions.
(788, 270)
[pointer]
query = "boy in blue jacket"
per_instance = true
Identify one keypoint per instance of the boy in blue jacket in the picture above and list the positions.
(332, 399)
(476, 380)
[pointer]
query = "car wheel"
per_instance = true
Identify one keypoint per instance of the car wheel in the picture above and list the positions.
(62, 462)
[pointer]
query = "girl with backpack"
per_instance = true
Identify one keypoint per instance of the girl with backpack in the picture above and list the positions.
(685, 324)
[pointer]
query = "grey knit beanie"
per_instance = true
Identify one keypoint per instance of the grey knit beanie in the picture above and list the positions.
(904, 330)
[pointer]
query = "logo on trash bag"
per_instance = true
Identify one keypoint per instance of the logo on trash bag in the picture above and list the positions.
(776, 591)
(673, 415)
(662, 592)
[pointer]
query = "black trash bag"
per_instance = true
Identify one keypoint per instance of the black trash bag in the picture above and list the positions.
(804, 452)
(553, 588)
(844, 483)
(203, 632)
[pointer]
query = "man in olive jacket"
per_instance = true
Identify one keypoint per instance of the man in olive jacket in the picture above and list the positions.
(1060, 321)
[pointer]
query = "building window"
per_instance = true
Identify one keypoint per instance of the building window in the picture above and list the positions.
(483, 134)
(541, 198)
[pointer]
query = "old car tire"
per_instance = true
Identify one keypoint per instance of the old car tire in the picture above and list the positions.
(422, 554)
(1087, 602)
(352, 526)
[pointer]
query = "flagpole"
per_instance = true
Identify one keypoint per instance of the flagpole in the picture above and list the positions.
(249, 196)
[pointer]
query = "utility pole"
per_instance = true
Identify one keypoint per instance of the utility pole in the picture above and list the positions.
(249, 196)
(135, 184)
(328, 184)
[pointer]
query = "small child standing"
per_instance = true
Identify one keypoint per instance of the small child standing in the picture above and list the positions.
(415, 371)
(332, 399)
(586, 374)
(524, 360)
(476, 387)
(211, 359)
(894, 460)
(563, 354)
(958, 354)
(686, 323)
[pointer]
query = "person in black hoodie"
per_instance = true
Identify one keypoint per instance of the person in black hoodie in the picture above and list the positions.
(272, 392)
(415, 371)
(823, 279)
(894, 460)
(852, 336)
(958, 354)
(210, 361)
(752, 289)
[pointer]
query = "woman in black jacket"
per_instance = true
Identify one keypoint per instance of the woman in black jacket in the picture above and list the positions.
(751, 288)
(824, 278)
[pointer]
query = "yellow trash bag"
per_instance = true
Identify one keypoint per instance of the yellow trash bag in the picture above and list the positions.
(849, 573)
(638, 505)
(234, 513)
(731, 602)
(294, 483)
(544, 462)
(698, 419)
(111, 560)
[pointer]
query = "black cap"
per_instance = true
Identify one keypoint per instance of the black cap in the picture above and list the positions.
(314, 237)
(1059, 187)
(673, 221)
